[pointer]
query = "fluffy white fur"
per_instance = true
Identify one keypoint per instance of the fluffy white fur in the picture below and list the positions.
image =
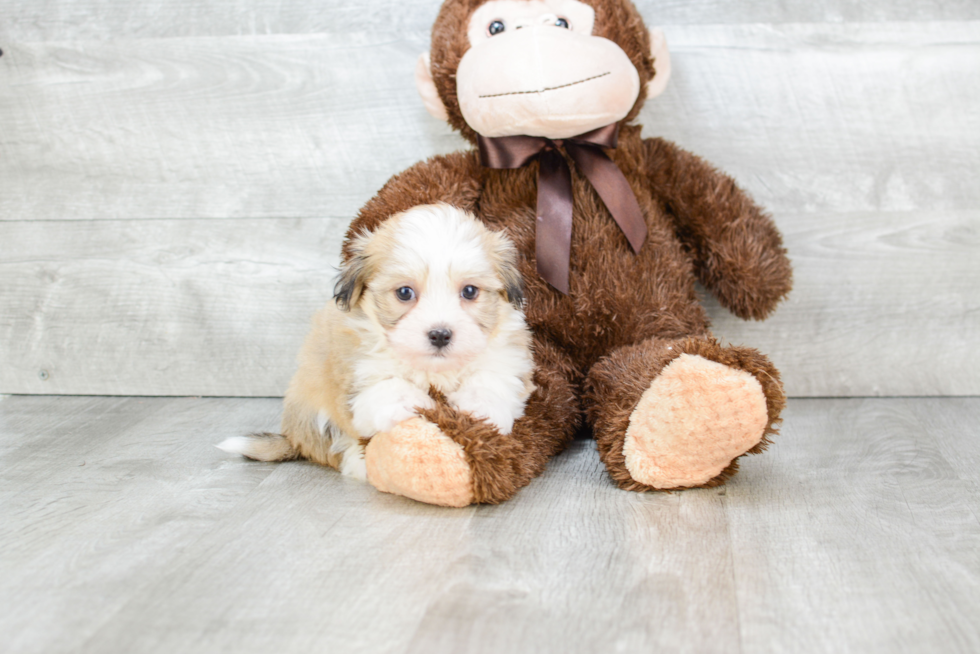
(369, 362)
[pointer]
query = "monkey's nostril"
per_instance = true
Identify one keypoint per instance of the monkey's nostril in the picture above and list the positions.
(440, 337)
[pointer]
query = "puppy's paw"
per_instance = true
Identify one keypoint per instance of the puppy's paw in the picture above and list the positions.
(499, 413)
(386, 404)
(401, 409)
(352, 465)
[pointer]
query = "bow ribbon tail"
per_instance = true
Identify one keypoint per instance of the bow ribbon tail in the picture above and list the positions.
(553, 232)
(614, 189)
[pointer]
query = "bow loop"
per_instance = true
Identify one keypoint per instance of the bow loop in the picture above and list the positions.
(553, 232)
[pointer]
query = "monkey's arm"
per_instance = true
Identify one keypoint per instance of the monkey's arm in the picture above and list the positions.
(454, 179)
(737, 250)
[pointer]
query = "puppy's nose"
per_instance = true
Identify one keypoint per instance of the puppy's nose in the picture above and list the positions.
(440, 337)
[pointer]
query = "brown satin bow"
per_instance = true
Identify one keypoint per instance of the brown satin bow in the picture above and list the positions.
(553, 236)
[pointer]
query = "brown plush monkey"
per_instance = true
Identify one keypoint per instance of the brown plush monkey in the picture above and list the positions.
(621, 342)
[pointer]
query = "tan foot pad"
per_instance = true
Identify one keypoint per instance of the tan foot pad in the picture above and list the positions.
(417, 460)
(696, 417)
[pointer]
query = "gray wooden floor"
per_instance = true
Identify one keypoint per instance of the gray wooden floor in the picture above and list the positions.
(123, 530)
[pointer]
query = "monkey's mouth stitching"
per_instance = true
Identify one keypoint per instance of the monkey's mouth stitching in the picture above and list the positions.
(549, 88)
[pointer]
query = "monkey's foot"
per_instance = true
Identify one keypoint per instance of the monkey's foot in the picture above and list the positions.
(695, 418)
(417, 460)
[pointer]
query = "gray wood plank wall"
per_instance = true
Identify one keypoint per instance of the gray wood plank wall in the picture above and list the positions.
(175, 179)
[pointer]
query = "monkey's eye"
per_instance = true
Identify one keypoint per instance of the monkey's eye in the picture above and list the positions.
(495, 28)
(470, 292)
(561, 22)
(405, 294)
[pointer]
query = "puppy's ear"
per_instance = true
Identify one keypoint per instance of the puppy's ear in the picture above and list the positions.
(514, 286)
(505, 261)
(353, 276)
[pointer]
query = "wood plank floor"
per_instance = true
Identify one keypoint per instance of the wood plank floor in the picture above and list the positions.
(123, 530)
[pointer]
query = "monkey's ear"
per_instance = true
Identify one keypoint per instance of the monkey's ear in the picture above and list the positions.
(661, 62)
(427, 88)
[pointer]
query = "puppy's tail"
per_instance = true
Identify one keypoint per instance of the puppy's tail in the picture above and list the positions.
(261, 447)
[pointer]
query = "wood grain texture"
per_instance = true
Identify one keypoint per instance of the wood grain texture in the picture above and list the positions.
(161, 307)
(884, 305)
(220, 128)
(100, 498)
(65, 20)
(843, 119)
(808, 118)
(123, 530)
(864, 503)
(863, 140)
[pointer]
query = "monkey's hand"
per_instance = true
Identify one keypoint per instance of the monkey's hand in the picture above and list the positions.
(738, 252)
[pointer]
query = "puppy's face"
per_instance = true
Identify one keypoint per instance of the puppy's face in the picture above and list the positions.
(436, 281)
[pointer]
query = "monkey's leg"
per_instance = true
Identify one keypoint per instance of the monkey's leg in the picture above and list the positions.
(449, 458)
(678, 414)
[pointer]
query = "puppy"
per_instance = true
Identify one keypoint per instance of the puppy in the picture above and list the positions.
(431, 299)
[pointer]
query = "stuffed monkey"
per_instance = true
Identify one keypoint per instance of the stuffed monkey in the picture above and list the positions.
(548, 90)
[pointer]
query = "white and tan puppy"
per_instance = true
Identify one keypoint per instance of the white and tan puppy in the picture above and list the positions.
(431, 299)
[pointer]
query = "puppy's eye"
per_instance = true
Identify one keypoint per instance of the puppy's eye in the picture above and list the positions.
(405, 294)
(495, 28)
(561, 22)
(470, 292)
